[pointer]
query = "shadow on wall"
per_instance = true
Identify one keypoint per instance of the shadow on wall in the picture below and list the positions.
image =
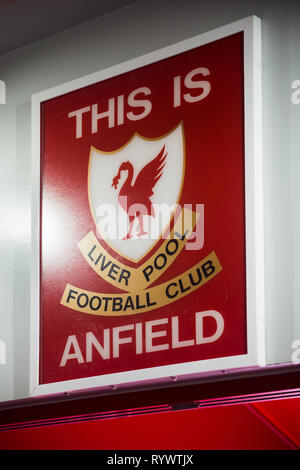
(21, 302)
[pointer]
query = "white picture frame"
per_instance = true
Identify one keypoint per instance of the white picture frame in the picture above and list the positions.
(251, 27)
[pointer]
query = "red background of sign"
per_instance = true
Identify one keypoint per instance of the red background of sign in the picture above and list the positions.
(214, 144)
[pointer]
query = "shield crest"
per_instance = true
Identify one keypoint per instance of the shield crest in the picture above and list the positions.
(134, 191)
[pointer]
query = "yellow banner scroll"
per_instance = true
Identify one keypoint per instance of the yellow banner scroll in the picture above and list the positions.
(97, 303)
(136, 279)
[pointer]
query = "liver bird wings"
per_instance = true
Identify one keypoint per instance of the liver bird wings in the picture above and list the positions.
(150, 174)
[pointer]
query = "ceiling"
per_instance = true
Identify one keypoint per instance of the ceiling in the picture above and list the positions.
(23, 22)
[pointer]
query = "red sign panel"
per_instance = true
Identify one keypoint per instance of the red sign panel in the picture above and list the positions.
(142, 220)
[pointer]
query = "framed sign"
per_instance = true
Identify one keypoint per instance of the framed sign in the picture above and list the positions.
(147, 229)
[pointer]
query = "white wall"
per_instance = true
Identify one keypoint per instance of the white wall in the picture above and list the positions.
(124, 34)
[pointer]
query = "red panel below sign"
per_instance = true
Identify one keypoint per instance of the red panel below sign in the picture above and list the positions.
(228, 427)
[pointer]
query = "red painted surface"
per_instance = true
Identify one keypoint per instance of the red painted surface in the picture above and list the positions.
(267, 425)
(213, 176)
(284, 415)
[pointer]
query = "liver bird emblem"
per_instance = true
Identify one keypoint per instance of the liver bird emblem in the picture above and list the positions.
(136, 198)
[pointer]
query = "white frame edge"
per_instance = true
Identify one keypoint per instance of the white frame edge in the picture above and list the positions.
(254, 192)
(251, 27)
